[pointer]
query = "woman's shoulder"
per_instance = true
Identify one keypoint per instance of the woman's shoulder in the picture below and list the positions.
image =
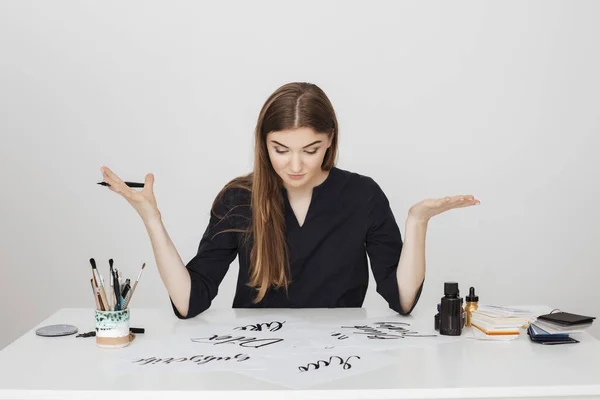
(236, 193)
(366, 193)
(358, 182)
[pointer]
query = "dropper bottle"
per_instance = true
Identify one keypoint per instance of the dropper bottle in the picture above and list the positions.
(472, 301)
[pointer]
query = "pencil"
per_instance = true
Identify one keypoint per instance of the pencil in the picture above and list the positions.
(130, 294)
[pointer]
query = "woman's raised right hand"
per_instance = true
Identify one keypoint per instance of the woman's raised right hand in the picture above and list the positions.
(143, 200)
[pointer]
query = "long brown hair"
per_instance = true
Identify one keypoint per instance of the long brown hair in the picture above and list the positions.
(293, 105)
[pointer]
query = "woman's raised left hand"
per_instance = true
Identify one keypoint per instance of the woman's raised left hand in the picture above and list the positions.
(427, 208)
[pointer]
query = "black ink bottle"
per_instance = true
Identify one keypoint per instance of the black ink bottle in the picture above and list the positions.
(451, 318)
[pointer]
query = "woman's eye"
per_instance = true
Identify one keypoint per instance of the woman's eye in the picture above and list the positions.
(279, 151)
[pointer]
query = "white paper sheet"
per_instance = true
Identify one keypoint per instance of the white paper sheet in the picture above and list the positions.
(272, 344)
(381, 333)
(165, 357)
(263, 335)
(309, 369)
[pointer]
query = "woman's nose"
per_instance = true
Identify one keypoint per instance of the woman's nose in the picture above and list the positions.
(296, 164)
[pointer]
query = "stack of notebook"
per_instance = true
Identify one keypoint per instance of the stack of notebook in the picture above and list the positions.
(555, 328)
(499, 323)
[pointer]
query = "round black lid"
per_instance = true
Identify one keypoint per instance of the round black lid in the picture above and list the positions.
(450, 288)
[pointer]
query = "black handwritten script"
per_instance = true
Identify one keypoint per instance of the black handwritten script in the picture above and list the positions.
(333, 360)
(197, 359)
(263, 326)
(241, 341)
(339, 336)
(386, 330)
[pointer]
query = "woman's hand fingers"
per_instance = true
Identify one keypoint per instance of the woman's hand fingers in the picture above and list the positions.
(143, 201)
(116, 184)
(459, 201)
(465, 201)
(431, 207)
(111, 175)
(449, 202)
(149, 184)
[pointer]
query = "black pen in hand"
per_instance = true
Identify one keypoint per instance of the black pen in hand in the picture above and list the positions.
(130, 184)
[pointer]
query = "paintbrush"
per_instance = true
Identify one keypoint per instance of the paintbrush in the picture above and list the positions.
(130, 294)
(116, 285)
(96, 295)
(99, 283)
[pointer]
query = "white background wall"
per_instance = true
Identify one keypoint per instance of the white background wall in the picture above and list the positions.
(498, 99)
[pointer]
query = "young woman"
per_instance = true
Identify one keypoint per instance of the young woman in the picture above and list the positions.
(302, 228)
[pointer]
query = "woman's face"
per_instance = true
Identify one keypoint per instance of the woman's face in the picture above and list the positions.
(297, 155)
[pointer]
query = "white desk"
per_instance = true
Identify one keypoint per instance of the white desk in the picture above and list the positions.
(65, 368)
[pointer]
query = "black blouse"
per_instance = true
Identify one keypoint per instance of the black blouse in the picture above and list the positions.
(349, 217)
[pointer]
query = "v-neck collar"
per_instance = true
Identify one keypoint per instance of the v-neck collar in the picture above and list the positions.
(316, 192)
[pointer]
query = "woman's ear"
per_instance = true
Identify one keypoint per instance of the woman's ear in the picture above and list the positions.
(331, 138)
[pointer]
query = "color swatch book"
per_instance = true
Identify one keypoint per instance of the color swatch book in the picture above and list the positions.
(500, 323)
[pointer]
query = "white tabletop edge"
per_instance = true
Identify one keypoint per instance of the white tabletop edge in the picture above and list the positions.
(372, 394)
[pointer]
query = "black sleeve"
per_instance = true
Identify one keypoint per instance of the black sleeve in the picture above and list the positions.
(216, 252)
(384, 246)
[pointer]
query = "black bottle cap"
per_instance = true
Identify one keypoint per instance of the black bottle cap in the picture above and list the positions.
(471, 296)
(450, 288)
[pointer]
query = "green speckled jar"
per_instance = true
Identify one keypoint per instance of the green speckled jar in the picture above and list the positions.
(112, 328)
